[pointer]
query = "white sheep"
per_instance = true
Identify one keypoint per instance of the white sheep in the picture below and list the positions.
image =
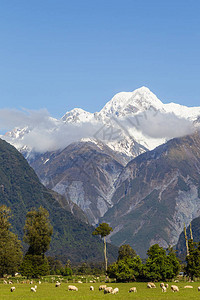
(108, 290)
(91, 288)
(102, 287)
(36, 287)
(174, 288)
(198, 288)
(72, 288)
(79, 281)
(33, 289)
(12, 289)
(133, 289)
(5, 282)
(162, 284)
(57, 284)
(115, 291)
(188, 287)
(164, 289)
(151, 285)
(39, 282)
(166, 285)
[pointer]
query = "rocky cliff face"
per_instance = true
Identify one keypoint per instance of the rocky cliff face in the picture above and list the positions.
(155, 194)
(85, 173)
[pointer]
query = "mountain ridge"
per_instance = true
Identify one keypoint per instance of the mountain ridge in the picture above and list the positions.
(127, 117)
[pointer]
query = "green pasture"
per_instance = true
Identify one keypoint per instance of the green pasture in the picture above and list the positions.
(49, 291)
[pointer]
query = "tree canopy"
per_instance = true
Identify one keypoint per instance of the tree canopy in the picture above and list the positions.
(193, 259)
(10, 246)
(103, 230)
(160, 265)
(126, 251)
(126, 270)
(38, 231)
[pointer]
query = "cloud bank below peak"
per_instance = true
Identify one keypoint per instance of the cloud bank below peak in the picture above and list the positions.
(38, 131)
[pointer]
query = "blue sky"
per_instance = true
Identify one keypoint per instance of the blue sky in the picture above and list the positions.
(59, 54)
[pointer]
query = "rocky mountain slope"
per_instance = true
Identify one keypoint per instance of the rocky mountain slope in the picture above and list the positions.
(155, 194)
(21, 190)
(85, 173)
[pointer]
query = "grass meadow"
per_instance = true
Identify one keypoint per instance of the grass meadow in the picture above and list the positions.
(49, 291)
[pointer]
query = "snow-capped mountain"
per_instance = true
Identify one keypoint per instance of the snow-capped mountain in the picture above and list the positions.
(93, 160)
(130, 123)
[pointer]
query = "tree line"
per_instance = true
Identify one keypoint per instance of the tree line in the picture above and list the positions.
(161, 264)
(37, 234)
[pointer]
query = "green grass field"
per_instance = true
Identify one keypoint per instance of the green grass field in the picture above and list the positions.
(49, 291)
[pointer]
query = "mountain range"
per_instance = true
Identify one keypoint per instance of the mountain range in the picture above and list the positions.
(21, 190)
(134, 164)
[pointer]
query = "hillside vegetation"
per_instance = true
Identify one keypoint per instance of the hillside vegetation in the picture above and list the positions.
(21, 190)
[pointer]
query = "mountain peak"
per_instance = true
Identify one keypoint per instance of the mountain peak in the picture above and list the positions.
(125, 103)
(143, 89)
(77, 115)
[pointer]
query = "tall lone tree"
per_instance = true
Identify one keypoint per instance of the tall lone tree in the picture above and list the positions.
(103, 230)
(10, 246)
(37, 233)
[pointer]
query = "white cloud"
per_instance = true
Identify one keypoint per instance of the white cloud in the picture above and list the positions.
(44, 133)
(159, 125)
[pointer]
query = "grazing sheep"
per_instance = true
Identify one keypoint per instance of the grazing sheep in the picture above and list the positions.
(176, 280)
(39, 282)
(79, 281)
(166, 285)
(162, 284)
(151, 285)
(12, 289)
(72, 288)
(102, 287)
(108, 290)
(164, 289)
(36, 287)
(10, 282)
(57, 284)
(5, 282)
(198, 288)
(115, 291)
(174, 288)
(188, 287)
(33, 289)
(133, 289)
(91, 288)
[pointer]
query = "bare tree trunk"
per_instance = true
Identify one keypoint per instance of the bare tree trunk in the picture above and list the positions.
(105, 256)
(186, 241)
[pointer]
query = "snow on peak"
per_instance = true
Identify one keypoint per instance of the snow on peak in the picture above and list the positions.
(126, 103)
(77, 115)
(127, 120)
